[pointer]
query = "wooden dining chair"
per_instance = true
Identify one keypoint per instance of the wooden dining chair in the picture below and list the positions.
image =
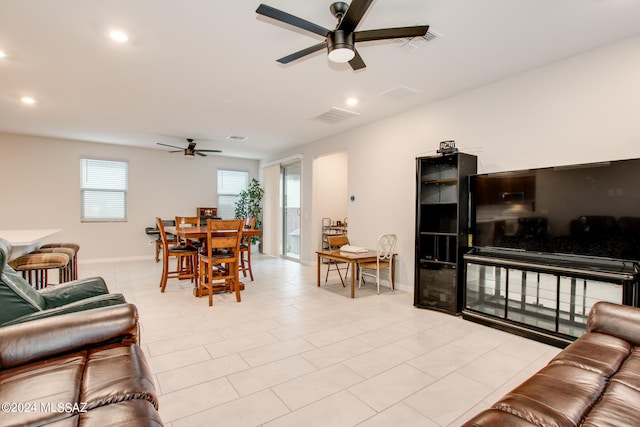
(219, 266)
(244, 264)
(187, 221)
(186, 256)
(335, 242)
(171, 239)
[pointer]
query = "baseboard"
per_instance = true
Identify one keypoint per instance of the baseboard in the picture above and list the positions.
(123, 259)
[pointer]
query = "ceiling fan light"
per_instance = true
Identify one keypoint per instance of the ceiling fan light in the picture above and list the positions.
(340, 46)
(341, 55)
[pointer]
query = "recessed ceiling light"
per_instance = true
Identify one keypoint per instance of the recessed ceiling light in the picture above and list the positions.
(118, 36)
(27, 100)
(2, 54)
(352, 101)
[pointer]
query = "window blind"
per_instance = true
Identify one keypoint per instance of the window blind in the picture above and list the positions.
(230, 184)
(103, 189)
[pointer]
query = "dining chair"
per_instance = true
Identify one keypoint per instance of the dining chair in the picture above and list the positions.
(171, 239)
(244, 264)
(384, 261)
(219, 267)
(187, 221)
(335, 242)
(184, 270)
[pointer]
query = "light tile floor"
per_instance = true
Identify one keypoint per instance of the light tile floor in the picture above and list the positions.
(293, 354)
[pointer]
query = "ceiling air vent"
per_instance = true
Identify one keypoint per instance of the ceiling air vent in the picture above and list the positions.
(430, 36)
(415, 43)
(399, 92)
(336, 115)
(237, 138)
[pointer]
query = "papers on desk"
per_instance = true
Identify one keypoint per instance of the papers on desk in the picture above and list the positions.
(353, 249)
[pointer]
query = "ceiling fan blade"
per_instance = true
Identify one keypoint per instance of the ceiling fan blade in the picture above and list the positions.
(287, 18)
(172, 146)
(200, 154)
(176, 151)
(304, 52)
(354, 14)
(357, 62)
(391, 33)
(208, 151)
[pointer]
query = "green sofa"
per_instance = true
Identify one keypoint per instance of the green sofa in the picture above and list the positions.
(20, 302)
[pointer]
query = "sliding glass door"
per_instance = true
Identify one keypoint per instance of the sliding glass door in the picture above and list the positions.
(290, 174)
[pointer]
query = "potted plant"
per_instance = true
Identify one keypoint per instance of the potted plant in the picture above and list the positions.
(249, 204)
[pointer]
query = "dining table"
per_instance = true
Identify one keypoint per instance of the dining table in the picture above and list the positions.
(353, 258)
(199, 233)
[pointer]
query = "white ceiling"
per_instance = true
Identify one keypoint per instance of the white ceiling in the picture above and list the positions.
(207, 69)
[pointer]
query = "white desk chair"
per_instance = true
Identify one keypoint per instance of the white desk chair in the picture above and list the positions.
(384, 261)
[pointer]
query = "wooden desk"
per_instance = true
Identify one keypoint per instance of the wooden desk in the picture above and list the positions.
(25, 241)
(353, 259)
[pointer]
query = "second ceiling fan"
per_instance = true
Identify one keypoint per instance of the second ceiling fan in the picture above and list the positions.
(191, 149)
(340, 43)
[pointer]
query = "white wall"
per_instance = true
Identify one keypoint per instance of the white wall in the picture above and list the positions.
(41, 189)
(330, 191)
(578, 110)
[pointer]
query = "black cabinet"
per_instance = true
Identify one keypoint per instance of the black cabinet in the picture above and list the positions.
(442, 229)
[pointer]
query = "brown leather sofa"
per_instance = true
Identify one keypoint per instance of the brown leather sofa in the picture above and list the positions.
(595, 381)
(76, 369)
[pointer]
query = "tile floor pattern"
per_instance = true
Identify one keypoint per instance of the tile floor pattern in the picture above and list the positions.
(293, 354)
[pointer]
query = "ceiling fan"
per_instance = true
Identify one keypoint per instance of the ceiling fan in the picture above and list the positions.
(340, 43)
(190, 151)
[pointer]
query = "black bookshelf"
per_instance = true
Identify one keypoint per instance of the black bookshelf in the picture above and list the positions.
(442, 229)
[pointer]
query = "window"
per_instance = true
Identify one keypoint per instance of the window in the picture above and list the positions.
(103, 190)
(230, 184)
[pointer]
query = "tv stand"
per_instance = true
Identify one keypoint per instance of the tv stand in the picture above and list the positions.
(543, 296)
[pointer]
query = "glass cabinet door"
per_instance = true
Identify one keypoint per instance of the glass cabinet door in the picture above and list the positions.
(553, 302)
(485, 289)
(577, 296)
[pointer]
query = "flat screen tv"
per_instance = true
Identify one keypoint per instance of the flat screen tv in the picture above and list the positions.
(587, 209)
